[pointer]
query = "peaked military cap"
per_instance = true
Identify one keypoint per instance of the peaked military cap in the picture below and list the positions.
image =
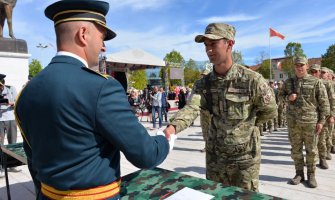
(2, 76)
(316, 67)
(301, 60)
(80, 10)
(216, 31)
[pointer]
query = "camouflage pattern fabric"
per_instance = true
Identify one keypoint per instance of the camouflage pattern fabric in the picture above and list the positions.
(310, 107)
(325, 137)
(300, 134)
(331, 97)
(241, 101)
(205, 121)
(155, 183)
(281, 114)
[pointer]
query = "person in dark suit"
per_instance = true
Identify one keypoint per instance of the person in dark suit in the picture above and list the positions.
(75, 121)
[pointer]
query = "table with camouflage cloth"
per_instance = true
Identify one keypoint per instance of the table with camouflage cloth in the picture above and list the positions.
(155, 183)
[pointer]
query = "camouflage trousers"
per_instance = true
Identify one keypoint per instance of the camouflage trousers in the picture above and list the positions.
(300, 134)
(325, 140)
(281, 116)
(236, 174)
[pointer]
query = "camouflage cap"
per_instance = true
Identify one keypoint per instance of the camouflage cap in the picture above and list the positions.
(316, 67)
(331, 71)
(215, 31)
(280, 82)
(271, 81)
(301, 60)
(324, 69)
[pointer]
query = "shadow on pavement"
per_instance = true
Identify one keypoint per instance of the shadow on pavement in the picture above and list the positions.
(18, 190)
(268, 153)
(190, 139)
(272, 178)
(185, 149)
(199, 170)
(275, 142)
(276, 148)
(276, 162)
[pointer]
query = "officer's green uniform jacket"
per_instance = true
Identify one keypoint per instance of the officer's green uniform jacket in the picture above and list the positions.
(240, 100)
(75, 123)
(311, 105)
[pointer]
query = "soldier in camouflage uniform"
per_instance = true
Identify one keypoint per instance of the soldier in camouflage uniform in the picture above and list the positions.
(307, 109)
(327, 128)
(328, 136)
(205, 116)
(281, 107)
(331, 78)
(239, 100)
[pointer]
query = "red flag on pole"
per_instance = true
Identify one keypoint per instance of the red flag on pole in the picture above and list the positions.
(274, 33)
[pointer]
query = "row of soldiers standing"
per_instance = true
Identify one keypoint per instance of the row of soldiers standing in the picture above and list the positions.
(309, 100)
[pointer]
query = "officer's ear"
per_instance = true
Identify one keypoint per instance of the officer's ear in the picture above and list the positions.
(231, 43)
(82, 34)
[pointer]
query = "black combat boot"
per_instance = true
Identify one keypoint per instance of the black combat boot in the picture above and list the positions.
(311, 181)
(323, 164)
(299, 177)
(328, 156)
(333, 150)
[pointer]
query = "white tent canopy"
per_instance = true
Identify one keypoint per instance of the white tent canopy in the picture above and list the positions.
(133, 59)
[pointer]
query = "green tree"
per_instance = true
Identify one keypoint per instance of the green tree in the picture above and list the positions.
(264, 69)
(138, 79)
(292, 50)
(328, 59)
(237, 57)
(264, 65)
(172, 59)
(191, 72)
(35, 67)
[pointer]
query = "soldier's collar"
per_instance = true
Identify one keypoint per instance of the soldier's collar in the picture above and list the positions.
(66, 53)
(230, 73)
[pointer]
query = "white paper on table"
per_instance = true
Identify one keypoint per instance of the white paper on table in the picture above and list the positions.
(189, 194)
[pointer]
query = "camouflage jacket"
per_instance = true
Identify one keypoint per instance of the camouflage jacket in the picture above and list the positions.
(311, 105)
(331, 95)
(240, 100)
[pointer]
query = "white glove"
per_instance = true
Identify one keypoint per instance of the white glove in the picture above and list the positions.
(173, 137)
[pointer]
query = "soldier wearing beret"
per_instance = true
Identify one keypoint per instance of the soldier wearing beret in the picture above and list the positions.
(75, 121)
(238, 100)
(307, 111)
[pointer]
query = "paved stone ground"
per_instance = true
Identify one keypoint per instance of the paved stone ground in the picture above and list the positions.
(276, 168)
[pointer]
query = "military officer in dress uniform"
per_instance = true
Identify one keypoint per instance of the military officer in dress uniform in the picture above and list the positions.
(75, 121)
(238, 100)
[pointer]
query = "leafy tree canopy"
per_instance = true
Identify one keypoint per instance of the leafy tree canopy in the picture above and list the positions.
(293, 49)
(138, 79)
(328, 59)
(34, 67)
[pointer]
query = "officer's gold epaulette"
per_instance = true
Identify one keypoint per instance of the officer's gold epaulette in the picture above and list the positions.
(106, 76)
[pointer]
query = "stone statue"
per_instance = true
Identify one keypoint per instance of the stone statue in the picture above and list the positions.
(6, 12)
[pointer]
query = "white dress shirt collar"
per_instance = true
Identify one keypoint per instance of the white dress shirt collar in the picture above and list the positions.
(66, 53)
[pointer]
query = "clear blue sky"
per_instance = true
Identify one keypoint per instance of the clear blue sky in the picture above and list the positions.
(159, 26)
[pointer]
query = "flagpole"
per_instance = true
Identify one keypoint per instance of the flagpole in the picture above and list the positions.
(270, 55)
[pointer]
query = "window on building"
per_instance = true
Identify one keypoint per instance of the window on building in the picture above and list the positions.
(281, 76)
